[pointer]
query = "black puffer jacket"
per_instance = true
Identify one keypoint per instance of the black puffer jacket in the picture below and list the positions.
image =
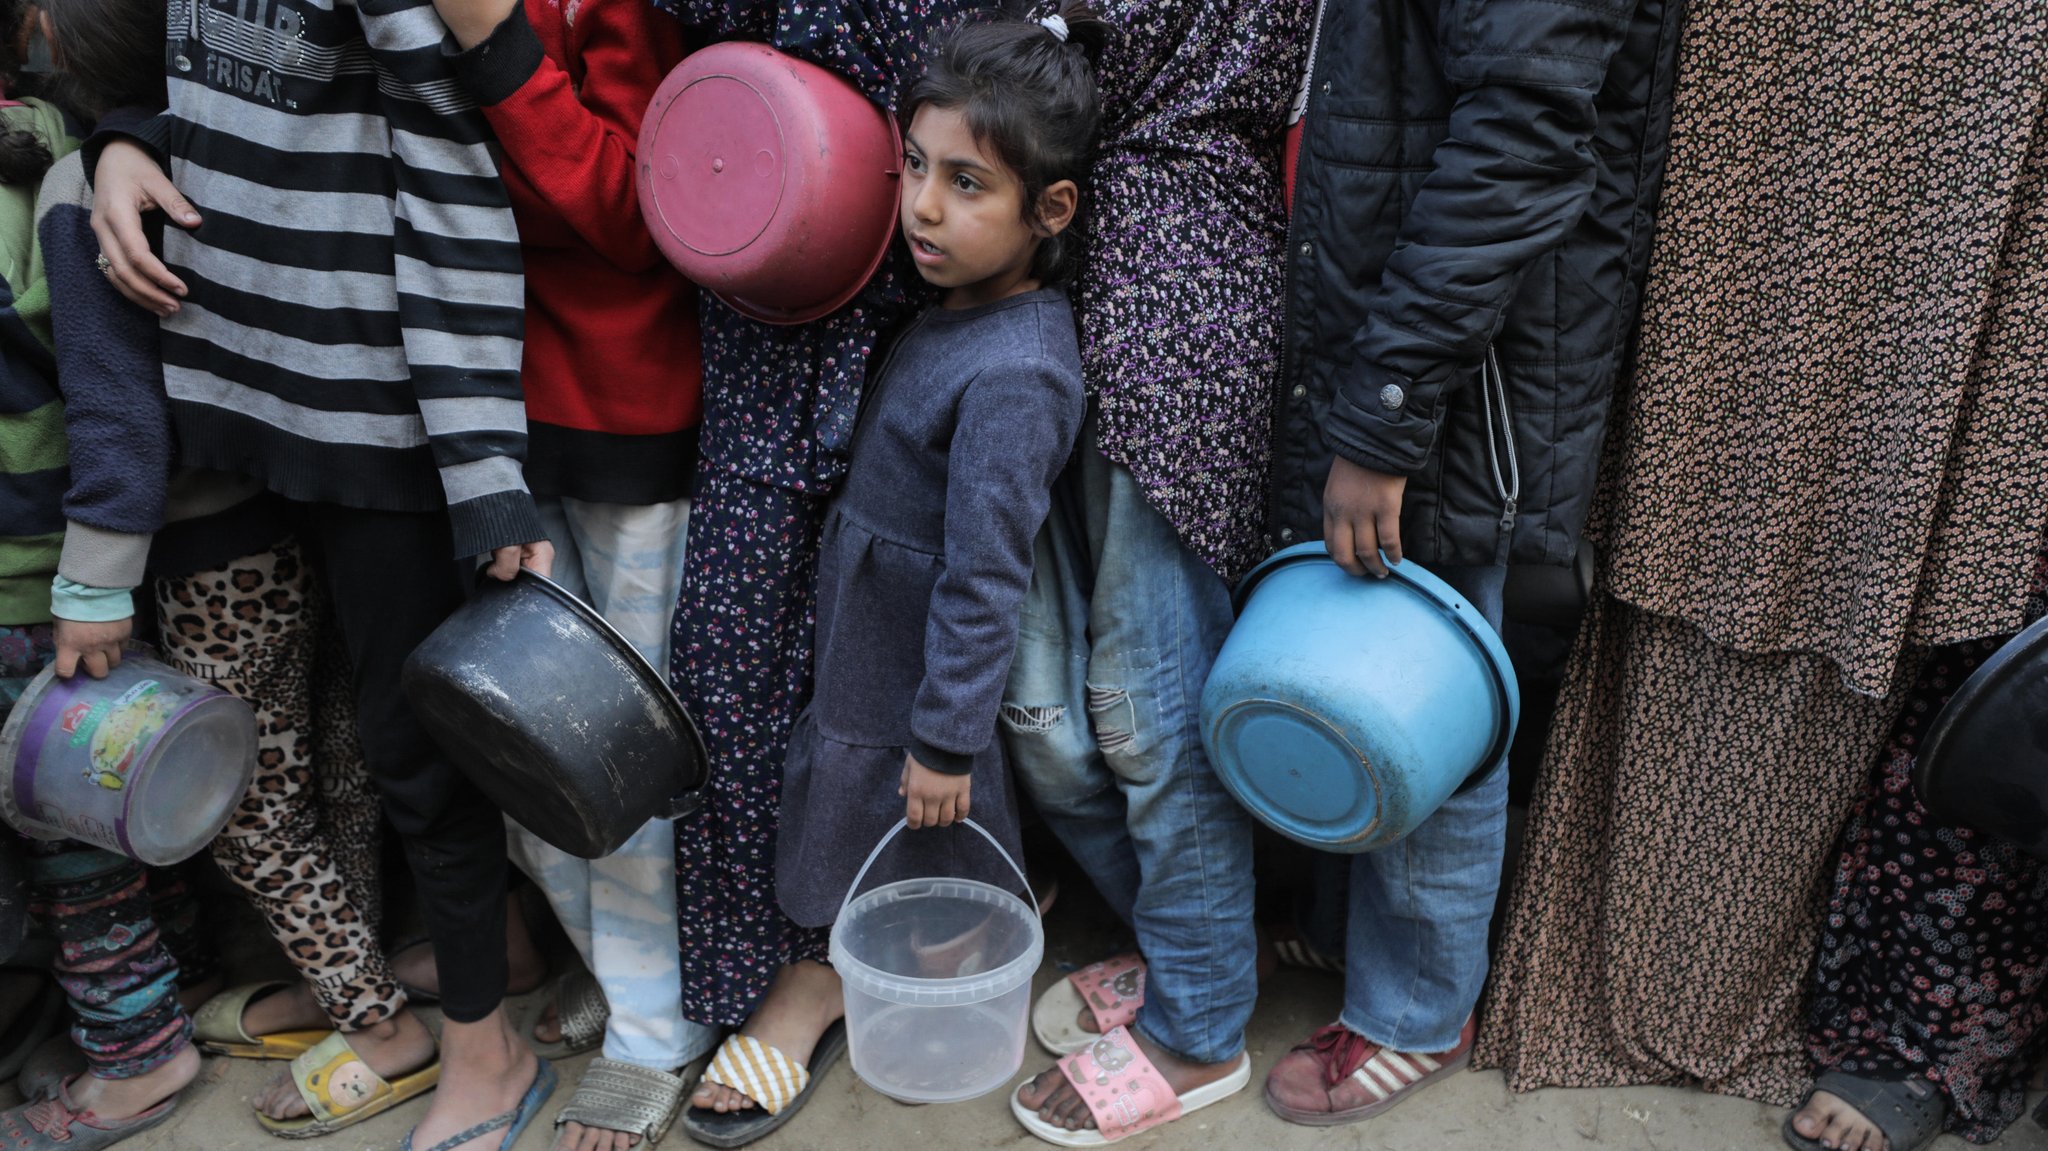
(1473, 173)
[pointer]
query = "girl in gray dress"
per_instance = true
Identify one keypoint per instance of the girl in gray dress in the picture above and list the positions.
(928, 549)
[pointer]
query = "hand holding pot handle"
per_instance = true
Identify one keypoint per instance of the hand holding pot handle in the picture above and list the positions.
(1362, 518)
(96, 647)
(506, 561)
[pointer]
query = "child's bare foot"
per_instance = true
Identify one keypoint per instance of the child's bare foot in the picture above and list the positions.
(486, 1069)
(1059, 1104)
(805, 1000)
(398, 1046)
(289, 1008)
(126, 1098)
(414, 963)
(1837, 1125)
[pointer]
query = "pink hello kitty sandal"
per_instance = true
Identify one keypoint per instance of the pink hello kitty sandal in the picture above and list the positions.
(1110, 991)
(1125, 1093)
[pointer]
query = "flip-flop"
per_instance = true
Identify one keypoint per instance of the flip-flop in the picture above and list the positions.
(1909, 1112)
(217, 1027)
(342, 1091)
(1124, 1092)
(1110, 991)
(59, 1124)
(779, 1086)
(514, 1121)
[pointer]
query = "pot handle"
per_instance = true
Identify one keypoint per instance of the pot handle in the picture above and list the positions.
(1032, 896)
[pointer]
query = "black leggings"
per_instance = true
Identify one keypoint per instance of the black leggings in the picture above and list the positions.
(393, 580)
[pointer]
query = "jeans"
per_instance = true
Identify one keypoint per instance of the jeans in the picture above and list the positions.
(1102, 722)
(626, 561)
(1412, 917)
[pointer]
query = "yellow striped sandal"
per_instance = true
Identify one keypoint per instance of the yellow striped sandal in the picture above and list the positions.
(778, 1085)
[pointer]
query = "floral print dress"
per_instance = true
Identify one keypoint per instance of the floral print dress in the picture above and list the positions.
(1935, 950)
(779, 407)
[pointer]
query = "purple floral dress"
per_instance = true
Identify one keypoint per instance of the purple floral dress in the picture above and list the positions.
(1935, 951)
(779, 407)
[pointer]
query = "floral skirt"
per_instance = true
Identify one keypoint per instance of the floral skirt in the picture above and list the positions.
(1936, 943)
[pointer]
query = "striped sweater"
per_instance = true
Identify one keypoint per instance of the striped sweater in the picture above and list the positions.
(353, 329)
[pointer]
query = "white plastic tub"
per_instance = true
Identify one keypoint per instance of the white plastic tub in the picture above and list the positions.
(937, 975)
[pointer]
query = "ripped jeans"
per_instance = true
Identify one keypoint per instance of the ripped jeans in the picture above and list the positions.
(1102, 722)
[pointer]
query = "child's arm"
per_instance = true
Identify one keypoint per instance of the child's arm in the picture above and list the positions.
(570, 151)
(1016, 428)
(117, 422)
(461, 288)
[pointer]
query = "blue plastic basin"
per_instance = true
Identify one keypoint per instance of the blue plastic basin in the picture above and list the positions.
(1342, 712)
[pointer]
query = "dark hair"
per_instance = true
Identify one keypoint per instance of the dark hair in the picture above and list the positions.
(110, 54)
(1031, 99)
(24, 157)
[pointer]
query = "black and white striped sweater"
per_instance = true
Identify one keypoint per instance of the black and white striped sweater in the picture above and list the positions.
(352, 333)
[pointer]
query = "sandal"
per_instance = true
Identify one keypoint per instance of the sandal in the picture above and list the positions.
(581, 1011)
(56, 1124)
(1292, 949)
(217, 1027)
(778, 1084)
(514, 1121)
(1111, 991)
(342, 1091)
(1124, 1091)
(1909, 1112)
(627, 1098)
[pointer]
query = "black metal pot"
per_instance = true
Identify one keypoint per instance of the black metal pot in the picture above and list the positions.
(555, 717)
(1984, 764)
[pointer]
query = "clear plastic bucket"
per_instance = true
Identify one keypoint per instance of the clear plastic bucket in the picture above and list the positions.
(937, 976)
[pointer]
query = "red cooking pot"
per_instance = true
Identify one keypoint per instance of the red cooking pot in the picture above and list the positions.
(769, 181)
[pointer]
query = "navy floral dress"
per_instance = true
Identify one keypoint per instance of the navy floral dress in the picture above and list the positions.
(779, 407)
(1935, 951)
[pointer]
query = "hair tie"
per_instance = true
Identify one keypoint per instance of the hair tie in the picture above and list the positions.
(1057, 25)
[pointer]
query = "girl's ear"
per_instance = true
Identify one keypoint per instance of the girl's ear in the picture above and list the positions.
(1056, 207)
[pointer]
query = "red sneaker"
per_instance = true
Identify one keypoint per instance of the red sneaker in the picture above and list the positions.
(1340, 1076)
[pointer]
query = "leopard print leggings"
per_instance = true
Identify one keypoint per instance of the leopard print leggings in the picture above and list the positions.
(304, 843)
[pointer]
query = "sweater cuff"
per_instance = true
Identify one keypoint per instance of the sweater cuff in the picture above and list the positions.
(943, 762)
(487, 523)
(98, 558)
(81, 604)
(149, 127)
(502, 62)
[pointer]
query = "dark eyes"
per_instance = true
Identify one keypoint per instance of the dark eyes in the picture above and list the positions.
(912, 162)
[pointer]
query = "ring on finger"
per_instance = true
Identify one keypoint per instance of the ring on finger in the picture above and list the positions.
(105, 265)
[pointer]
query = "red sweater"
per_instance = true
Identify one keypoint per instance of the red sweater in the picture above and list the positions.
(614, 360)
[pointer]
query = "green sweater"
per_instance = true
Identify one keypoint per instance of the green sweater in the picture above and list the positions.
(33, 475)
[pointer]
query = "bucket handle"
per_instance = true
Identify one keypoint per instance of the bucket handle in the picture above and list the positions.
(897, 830)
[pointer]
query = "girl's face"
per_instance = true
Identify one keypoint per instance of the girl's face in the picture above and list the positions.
(963, 212)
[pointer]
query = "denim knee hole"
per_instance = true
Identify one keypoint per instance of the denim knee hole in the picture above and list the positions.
(1109, 736)
(1025, 719)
